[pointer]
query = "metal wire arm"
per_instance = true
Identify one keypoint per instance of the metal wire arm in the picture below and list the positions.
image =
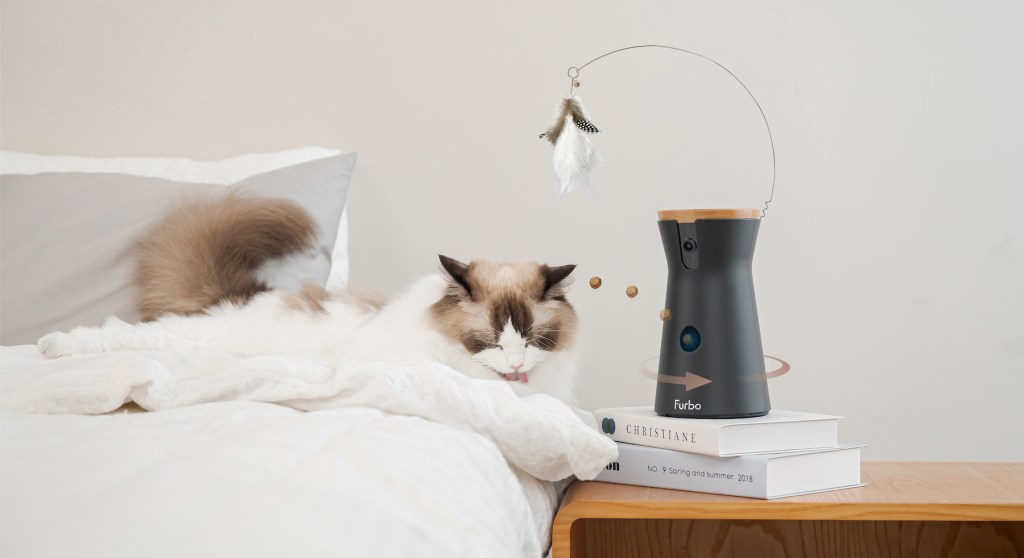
(574, 72)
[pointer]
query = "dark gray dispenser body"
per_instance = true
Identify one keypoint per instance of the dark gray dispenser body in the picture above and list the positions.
(713, 329)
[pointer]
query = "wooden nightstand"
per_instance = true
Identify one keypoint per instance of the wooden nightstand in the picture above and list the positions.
(906, 509)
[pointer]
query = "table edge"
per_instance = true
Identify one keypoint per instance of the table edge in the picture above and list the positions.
(774, 509)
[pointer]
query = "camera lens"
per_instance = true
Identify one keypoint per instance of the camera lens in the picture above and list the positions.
(689, 245)
(689, 339)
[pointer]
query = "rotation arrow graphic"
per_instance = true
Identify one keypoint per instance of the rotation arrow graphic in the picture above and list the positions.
(691, 381)
(688, 380)
(782, 369)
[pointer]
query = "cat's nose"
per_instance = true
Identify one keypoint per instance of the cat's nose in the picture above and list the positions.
(515, 367)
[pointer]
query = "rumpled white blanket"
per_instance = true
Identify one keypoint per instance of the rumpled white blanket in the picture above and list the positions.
(389, 460)
(537, 434)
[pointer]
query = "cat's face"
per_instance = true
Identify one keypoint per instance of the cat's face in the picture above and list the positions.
(509, 316)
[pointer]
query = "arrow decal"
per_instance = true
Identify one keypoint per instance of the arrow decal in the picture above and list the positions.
(688, 380)
(782, 369)
(691, 381)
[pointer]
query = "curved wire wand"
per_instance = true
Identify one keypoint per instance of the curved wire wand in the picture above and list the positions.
(574, 72)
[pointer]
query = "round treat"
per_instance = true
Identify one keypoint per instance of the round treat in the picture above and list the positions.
(666, 315)
(631, 291)
(595, 282)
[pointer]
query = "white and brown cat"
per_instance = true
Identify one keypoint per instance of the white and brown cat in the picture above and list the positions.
(199, 288)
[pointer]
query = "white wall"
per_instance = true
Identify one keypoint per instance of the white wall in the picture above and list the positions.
(888, 269)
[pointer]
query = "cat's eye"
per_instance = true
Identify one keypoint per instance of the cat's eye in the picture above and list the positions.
(543, 343)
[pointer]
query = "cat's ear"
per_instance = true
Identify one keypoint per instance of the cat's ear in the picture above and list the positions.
(456, 271)
(555, 279)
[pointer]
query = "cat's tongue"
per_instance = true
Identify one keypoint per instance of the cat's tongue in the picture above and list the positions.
(517, 377)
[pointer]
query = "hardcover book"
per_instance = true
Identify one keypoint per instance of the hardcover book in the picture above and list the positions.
(777, 431)
(766, 476)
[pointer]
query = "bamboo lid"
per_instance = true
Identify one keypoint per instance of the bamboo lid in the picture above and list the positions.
(691, 215)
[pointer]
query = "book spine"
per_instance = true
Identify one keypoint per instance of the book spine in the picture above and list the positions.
(659, 432)
(660, 468)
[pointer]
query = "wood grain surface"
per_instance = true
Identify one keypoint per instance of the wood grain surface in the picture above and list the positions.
(691, 215)
(906, 509)
(704, 538)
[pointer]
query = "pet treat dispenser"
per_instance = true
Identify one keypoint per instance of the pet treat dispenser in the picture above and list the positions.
(712, 363)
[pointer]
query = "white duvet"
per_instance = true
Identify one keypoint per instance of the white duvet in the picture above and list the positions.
(277, 457)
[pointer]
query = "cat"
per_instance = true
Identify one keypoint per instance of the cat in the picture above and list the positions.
(199, 289)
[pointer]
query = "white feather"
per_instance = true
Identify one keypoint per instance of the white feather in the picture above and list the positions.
(575, 157)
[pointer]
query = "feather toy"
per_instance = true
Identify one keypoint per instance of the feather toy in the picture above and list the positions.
(575, 157)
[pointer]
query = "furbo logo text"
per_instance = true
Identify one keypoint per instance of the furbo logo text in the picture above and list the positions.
(688, 406)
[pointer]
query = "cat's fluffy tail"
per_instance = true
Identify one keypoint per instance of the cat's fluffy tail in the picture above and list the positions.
(208, 250)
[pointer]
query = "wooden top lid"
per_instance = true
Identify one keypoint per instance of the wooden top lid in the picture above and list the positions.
(691, 215)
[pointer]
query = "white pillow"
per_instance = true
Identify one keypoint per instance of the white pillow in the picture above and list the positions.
(224, 171)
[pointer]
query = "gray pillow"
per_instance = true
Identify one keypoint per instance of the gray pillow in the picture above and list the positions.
(67, 239)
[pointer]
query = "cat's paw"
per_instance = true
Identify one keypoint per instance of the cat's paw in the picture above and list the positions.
(56, 345)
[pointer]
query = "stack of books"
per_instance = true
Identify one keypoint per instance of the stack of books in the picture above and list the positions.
(783, 453)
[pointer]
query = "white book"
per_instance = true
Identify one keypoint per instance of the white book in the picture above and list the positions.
(777, 431)
(765, 475)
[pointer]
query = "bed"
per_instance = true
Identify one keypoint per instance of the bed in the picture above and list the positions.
(162, 454)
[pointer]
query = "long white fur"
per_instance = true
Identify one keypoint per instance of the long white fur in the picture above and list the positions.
(400, 332)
